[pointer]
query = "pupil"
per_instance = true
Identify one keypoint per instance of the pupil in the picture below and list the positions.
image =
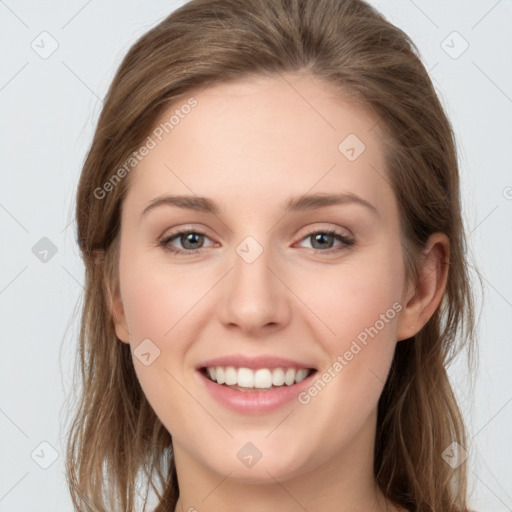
(321, 237)
(190, 239)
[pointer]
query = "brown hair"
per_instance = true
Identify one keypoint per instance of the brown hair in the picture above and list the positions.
(115, 437)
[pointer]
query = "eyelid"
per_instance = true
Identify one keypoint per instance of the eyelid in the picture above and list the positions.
(326, 227)
(309, 231)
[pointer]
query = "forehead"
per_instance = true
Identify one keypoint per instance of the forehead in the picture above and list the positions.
(262, 139)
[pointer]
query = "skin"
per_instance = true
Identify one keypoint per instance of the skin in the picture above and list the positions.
(250, 145)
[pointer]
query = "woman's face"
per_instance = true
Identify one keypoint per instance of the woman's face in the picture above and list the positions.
(256, 281)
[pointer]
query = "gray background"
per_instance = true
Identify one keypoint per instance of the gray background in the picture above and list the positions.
(49, 105)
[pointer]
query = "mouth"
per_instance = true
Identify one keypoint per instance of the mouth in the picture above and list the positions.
(256, 380)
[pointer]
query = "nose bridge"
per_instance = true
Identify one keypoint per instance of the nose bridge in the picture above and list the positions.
(254, 296)
(251, 264)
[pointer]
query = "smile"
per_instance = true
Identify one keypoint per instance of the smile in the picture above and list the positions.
(253, 391)
(247, 379)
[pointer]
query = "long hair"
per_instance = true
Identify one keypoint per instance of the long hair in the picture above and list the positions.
(115, 437)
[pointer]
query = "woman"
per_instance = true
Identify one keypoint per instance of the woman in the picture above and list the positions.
(276, 271)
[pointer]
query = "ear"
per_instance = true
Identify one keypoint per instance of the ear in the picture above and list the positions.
(115, 306)
(424, 296)
(118, 316)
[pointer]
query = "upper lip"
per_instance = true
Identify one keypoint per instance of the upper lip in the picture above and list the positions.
(264, 361)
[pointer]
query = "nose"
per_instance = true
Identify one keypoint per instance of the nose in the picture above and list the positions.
(254, 296)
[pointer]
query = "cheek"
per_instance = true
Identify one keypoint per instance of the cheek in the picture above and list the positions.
(352, 297)
(159, 306)
(358, 358)
(157, 300)
(359, 307)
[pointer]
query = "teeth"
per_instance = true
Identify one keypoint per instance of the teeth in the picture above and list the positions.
(230, 376)
(212, 373)
(262, 378)
(289, 376)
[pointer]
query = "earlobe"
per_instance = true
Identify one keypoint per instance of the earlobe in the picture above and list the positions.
(113, 297)
(118, 316)
(120, 325)
(428, 291)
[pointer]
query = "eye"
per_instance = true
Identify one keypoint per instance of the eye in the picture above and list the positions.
(193, 241)
(322, 241)
(190, 240)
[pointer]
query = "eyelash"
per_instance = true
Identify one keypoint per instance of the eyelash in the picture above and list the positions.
(345, 240)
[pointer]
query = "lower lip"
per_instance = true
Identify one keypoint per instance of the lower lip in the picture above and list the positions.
(255, 402)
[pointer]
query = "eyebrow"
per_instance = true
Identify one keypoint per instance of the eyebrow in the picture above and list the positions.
(294, 204)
